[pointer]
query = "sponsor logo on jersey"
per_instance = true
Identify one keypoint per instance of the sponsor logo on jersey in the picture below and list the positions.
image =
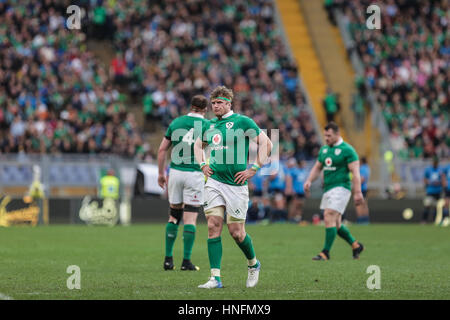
(216, 139)
(229, 125)
(325, 151)
(328, 163)
(337, 152)
(219, 148)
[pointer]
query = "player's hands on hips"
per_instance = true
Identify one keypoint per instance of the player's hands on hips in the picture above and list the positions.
(307, 186)
(243, 176)
(358, 198)
(207, 171)
(162, 181)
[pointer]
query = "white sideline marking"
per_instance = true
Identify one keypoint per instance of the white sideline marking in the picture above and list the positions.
(5, 297)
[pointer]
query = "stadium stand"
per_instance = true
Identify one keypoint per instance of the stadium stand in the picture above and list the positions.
(407, 67)
(55, 96)
(172, 50)
(59, 98)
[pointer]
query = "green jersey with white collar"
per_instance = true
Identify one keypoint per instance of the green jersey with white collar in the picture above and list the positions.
(335, 160)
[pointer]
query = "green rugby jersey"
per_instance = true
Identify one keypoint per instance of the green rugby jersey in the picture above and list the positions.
(229, 140)
(335, 162)
(183, 132)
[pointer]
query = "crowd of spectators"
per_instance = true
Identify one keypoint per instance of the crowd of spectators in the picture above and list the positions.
(168, 51)
(55, 95)
(407, 65)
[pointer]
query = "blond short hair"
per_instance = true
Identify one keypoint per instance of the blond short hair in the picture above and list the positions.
(222, 91)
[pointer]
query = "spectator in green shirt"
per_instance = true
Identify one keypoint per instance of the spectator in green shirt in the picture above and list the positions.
(330, 103)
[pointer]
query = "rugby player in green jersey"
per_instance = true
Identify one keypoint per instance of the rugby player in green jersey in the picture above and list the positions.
(186, 180)
(226, 190)
(338, 159)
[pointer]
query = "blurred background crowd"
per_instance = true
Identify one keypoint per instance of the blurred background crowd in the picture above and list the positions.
(407, 66)
(57, 96)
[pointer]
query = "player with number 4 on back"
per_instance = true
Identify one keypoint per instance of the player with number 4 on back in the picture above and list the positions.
(186, 180)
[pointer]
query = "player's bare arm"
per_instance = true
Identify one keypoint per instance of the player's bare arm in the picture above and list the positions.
(264, 150)
(315, 172)
(162, 154)
(356, 182)
(199, 154)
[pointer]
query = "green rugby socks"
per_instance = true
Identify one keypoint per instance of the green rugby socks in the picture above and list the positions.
(215, 256)
(345, 234)
(247, 247)
(171, 235)
(330, 235)
(188, 240)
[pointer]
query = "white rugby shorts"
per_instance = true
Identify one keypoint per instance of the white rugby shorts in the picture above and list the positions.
(336, 199)
(186, 187)
(234, 198)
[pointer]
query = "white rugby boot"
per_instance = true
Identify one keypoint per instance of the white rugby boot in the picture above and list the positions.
(253, 276)
(211, 284)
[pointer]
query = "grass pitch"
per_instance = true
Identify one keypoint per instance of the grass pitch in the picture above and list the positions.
(126, 263)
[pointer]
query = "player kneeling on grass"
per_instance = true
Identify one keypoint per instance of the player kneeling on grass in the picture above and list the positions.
(337, 158)
(226, 190)
(186, 180)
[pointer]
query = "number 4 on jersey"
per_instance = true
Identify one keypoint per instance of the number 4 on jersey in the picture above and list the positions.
(189, 137)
